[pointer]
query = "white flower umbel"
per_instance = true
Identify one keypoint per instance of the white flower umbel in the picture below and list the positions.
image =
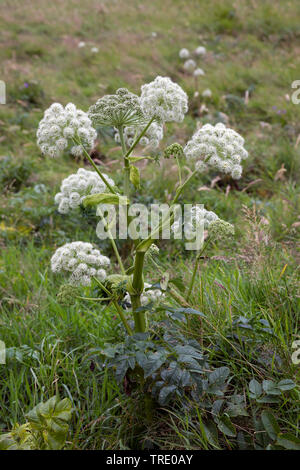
(82, 261)
(189, 65)
(197, 217)
(201, 50)
(152, 137)
(60, 126)
(184, 53)
(217, 147)
(164, 100)
(76, 187)
(149, 295)
(121, 109)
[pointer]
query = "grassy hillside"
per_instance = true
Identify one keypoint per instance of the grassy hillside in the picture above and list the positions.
(247, 288)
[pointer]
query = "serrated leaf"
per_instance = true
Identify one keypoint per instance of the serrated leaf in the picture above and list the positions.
(134, 176)
(270, 424)
(165, 394)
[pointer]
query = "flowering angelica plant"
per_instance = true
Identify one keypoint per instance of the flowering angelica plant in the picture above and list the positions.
(136, 121)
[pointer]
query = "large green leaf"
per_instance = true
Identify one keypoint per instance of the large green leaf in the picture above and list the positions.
(270, 424)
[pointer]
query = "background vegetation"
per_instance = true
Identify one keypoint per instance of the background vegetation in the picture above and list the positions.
(247, 289)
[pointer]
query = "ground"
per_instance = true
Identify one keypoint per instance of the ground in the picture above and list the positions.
(247, 288)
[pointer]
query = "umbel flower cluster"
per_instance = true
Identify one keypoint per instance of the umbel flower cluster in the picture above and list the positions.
(76, 187)
(197, 217)
(121, 109)
(148, 295)
(82, 261)
(61, 126)
(202, 218)
(190, 64)
(164, 100)
(152, 137)
(217, 147)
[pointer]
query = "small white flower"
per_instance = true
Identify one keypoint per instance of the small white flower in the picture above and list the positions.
(164, 100)
(69, 258)
(199, 72)
(189, 65)
(60, 126)
(77, 186)
(153, 136)
(201, 50)
(217, 147)
(94, 50)
(81, 44)
(184, 53)
(207, 93)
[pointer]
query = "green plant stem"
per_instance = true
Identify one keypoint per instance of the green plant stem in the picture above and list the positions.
(139, 137)
(145, 244)
(179, 170)
(111, 189)
(113, 243)
(195, 271)
(140, 318)
(126, 163)
(122, 316)
(117, 306)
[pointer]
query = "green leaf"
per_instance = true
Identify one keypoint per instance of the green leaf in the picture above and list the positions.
(286, 384)
(226, 427)
(270, 387)
(288, 441)
(134, 176)
(166, 393)
(270, 424)
(255, 388)
(105, 198)
(137, 159)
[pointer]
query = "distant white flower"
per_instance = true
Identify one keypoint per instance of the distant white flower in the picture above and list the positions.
(94, 50)
(81, 44)
(82, 261)
(152, 137)
(207, 93)
(60, 125)
(201, 50)
(184, 53)
(154, 34)
(217, 147)
(76, 187)
(164, 100)
(189, 65)
(198, 72)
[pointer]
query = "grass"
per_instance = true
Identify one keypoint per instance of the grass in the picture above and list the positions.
(247, 288)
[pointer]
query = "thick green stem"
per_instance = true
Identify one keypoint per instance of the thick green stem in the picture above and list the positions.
(140, 318)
